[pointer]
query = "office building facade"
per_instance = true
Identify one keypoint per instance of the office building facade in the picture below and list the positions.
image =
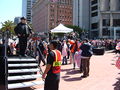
(100, 17)
(105, 18)
(47, 14)
(17, 20)
(81, 13)
(26, 9)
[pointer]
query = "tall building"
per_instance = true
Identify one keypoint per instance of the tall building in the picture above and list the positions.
(81, 11)
(26, 9)
(47, 14)
(105, 18)
(100, 17)
(94, 19)
(17, 20)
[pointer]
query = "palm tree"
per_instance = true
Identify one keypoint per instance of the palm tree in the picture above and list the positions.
(8, 25)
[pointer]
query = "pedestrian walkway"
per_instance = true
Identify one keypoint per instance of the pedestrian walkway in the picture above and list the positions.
(103, 75)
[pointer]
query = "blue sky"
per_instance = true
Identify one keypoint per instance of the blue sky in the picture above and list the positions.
(9, 9)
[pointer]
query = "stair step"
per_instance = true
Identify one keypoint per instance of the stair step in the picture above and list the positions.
(24, 77)
(23, 70)
(22, 65)
(25, 84)
(21, 59)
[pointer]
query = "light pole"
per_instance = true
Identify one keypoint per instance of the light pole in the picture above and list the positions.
(78, 13)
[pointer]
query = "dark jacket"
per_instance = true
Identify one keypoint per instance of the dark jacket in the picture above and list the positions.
(86, 50)
(41, 47)
(23, 29)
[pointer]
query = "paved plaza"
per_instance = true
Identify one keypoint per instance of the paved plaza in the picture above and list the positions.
(103, 75)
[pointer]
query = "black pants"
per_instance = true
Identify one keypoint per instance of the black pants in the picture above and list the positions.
(64, 60)
(85, 62)
(68, 54)
(51, 84)
(23, 45)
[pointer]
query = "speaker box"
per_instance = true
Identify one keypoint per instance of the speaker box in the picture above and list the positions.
(98, 51)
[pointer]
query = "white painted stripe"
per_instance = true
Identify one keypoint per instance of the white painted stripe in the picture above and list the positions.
(18, 59)
(22, 65)
(25, 84)
(24, 77)
(23, 70)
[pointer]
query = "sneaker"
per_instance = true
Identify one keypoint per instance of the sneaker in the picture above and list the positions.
(84, 76)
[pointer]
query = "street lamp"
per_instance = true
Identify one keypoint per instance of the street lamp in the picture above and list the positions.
(78, 12)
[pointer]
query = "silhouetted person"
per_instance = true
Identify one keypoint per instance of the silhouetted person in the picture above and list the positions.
(23, 31)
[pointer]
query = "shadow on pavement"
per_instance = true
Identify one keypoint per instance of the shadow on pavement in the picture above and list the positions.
(65, 70)
(112, 64)
(69, 73)
(73, 79)
(117, 84)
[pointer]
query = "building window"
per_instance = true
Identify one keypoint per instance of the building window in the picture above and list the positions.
(105, 32)
(94, 2)
(94, 8)
(94, 26)
(94, 34)
(94, 14)
(106, 22)
(116, 22)
(52, 10)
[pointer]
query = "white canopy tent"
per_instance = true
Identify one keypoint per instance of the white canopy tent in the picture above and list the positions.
(61, 29)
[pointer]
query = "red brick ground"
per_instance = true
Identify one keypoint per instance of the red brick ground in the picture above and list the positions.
(103, 75)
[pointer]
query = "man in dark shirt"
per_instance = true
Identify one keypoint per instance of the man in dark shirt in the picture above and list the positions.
(52, 72)
(23, 31)
(85, 57)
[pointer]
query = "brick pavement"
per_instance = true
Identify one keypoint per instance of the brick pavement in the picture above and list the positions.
(103, 76)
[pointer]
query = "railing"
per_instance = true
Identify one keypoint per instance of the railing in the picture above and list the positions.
(3, 61)
(32, 50)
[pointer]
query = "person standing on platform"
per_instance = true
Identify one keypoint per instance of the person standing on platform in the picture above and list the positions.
(53, 68)
(23, 31)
